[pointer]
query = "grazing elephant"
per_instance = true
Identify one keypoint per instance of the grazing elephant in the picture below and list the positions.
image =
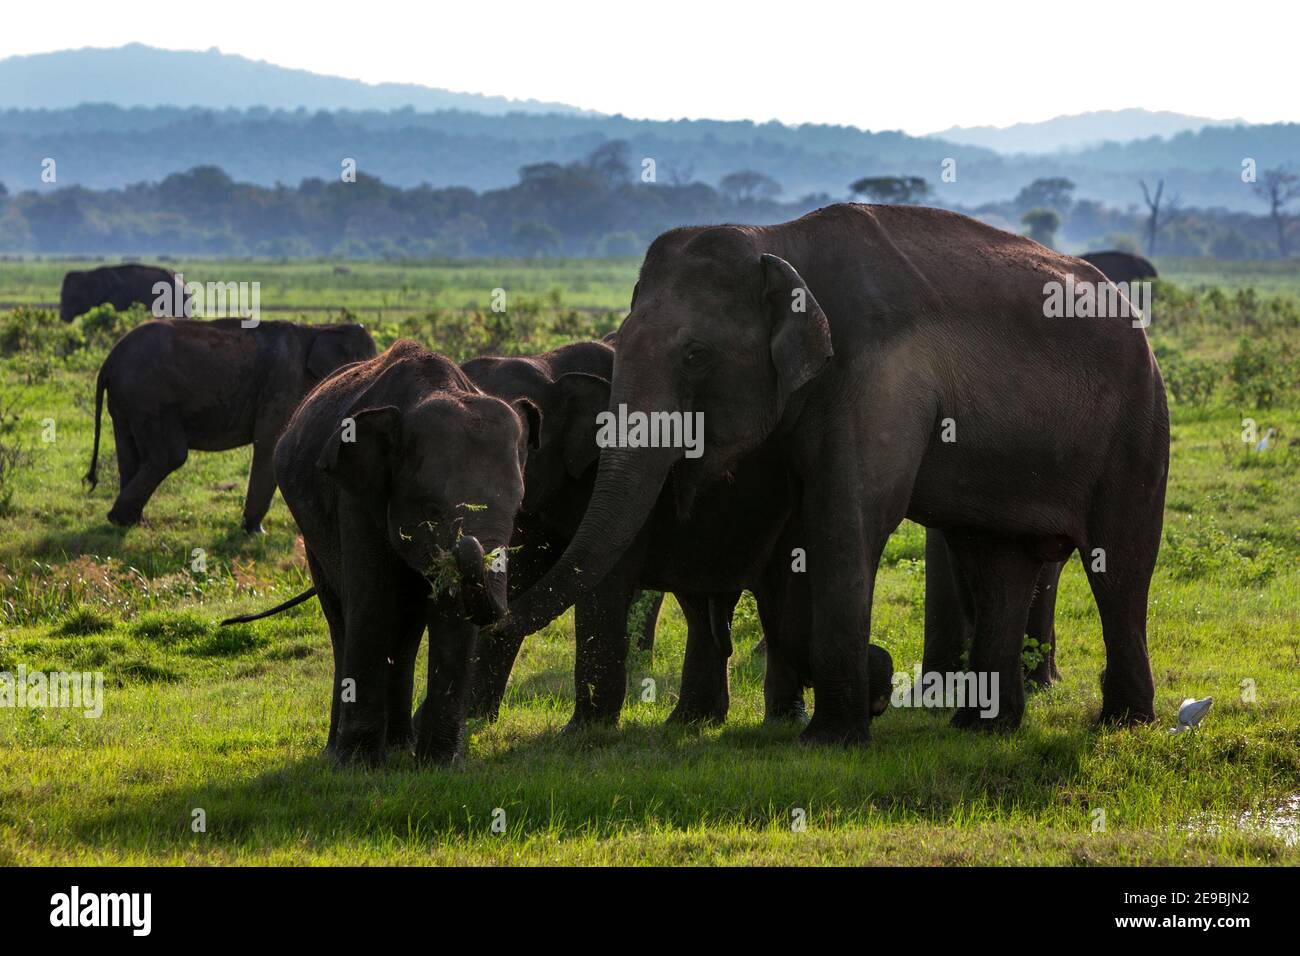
(571, 387)
(1121, 266)
(119, 286)
(896, 362)
(404, 478)
(180, 384)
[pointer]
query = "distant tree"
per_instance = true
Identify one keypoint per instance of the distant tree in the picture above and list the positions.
(747, 184)
(611, 162)
(1042, 225)
(1053, 192)
(681, 174)
(1277, 188)
(533, 239)
(1158, 216)
(907, 190)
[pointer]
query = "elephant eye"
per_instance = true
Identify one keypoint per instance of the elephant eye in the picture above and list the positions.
(696, 357)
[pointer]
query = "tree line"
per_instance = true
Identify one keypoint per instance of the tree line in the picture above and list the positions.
(608, 203)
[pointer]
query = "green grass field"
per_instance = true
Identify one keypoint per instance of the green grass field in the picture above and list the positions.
(230, 722)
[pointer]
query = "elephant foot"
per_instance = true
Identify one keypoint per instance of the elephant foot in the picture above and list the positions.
(836, 731)
(361, 748)
(1126, 716)
(1006, 720)
(441, 750)
(585, 720)
(1043, 677)
(795, 712)
(689, 712)
(253, 528)
(124, 517)
(401, 736)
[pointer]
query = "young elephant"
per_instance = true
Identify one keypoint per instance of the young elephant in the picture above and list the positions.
(401, 474)
(179, 384)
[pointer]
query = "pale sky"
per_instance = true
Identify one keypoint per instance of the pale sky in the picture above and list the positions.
(920, 66)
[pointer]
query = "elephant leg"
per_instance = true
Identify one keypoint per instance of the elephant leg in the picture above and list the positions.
(128, 456)
(650, 602)
(1041, 625)
(163, 448)
(401, 680)
(949, 608)
(845, 538)
(332, 607)
(381, 597)
(783, 612)
(452, 654)
(1001, 575)
(1119, 560)
(600, 654)
(261, 484)
(705, 694)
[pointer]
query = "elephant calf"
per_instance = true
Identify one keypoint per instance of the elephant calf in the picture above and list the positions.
(401, 473)
(179, 384)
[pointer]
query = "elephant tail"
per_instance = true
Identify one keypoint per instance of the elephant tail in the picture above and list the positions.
(101, 384)
(292, 602)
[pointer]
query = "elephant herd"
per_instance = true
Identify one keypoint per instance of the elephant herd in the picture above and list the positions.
(852, 368)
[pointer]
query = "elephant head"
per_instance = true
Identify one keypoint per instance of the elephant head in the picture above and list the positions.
(718, 331)
(331, 347)
(445, 479)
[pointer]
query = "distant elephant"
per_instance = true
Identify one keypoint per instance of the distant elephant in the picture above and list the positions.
(405, 480)
(180, 384)
(842, 348)
(119, 286)
(1121, 266)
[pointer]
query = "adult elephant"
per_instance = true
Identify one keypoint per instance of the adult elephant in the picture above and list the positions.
(180, 384)
(1120, 266)
(898, 362)
(571, 387)
(119, 286)
(404, 478)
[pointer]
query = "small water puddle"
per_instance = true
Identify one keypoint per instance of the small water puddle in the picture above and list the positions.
(1282, 822)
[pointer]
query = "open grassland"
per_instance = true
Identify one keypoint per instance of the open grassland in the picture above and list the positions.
(230, 721)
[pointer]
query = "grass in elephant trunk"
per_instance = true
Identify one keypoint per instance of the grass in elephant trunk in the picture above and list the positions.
(232, 720)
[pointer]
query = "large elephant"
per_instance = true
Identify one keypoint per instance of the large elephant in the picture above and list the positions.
(1120, 266)
(702, 560)
(179, 384)
(119, 286)
(404, 479)
(897, 362)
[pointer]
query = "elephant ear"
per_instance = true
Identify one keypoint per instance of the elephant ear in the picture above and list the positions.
(530, 417)
(359, 453)
(801, 336)
(329, 350)
(583, 397)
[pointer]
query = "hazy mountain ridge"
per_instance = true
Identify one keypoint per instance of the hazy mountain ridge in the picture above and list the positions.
(130, 76)
(1081, 130)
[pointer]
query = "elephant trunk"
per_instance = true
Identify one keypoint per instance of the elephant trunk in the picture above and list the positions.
(628, 483)
(482, 592)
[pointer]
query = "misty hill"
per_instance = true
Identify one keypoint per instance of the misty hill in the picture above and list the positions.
(139, 75)
(1080, 131)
